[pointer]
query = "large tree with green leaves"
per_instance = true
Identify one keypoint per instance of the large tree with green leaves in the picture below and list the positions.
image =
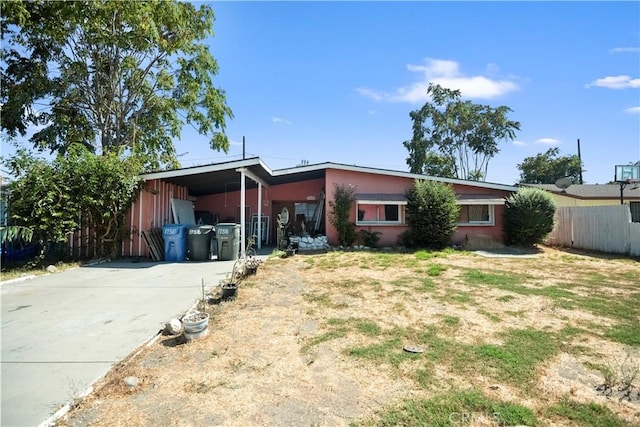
(547, 167)
(456, 138)
(110, 75)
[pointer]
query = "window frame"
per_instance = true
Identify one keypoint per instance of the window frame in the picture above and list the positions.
(382, 204)
(490, 222)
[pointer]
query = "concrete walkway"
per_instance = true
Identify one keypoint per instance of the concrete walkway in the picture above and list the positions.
(61, 332)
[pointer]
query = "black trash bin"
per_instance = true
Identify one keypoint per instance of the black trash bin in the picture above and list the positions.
(199, 243)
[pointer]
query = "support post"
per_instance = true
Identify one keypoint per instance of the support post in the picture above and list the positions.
(259, 238)
(243, 220)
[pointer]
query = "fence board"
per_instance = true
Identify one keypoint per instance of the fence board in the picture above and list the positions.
(598, 228)
(634, 236)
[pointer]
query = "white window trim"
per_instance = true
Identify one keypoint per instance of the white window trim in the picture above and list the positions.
(401, 215)
(490, 222)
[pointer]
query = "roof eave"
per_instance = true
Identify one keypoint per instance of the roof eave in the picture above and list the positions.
(215, 167)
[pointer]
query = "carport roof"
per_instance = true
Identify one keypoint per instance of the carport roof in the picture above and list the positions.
(224, 177)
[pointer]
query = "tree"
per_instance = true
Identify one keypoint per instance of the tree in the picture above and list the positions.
(546, 168)
(55, 198)
(528, 216)
(343, 198)
(110, 75)
(432, 214)
(456, 137)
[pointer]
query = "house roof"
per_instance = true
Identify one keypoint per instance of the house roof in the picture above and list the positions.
(366, 169)
(220, 177)
(592, 191)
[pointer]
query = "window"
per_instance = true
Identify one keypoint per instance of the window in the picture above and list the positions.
(306, 209)
(635, 211)
(476, 215)
(380, 209)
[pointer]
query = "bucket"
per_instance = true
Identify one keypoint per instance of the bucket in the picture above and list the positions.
(196, 325)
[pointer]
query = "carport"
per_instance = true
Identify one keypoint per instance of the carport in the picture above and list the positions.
(222, 177)
(246, 176)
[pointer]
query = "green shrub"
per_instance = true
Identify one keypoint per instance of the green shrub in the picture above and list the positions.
(528, 216)
(340, 214)
(432, 212)
(370, 238)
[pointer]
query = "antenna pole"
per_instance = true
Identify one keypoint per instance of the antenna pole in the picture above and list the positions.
(243, 148)
(580, 160)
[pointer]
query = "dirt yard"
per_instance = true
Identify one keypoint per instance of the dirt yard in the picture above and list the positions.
(319, 340)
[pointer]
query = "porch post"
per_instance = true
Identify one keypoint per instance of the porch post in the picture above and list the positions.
(242, 215)
(259, 242)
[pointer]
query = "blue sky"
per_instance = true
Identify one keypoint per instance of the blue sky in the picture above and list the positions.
(335, 81)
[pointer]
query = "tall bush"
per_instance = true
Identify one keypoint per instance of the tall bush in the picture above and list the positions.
(432, 214)
(55, 198)
(528, 216)
(340, 215)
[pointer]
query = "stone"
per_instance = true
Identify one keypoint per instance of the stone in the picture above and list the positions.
(173, 327)
(52, 269)
(131, 382)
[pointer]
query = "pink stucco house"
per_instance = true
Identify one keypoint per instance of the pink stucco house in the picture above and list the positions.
(244, 190)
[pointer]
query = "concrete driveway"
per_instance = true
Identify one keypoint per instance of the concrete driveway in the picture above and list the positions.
(63, 331)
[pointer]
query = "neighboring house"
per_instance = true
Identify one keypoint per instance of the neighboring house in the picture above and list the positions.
(304, 192)
(595, 195)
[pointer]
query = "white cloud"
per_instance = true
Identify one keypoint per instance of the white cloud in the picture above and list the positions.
(519, 143)
(633, 110)
(616, 82)
(446, 73)
(624, 50)
(373, 94)
(232, 142)
(281, 120)
(548, 141)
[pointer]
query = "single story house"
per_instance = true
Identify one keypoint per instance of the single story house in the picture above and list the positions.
(249, 193)
(595, 195)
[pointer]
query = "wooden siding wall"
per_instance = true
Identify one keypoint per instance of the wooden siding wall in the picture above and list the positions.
(599, 228)
(151, 209)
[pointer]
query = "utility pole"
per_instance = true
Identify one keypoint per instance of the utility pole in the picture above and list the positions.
(243, 148)
(580, 160)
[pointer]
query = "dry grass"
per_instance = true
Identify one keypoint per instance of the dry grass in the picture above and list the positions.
(317, 340)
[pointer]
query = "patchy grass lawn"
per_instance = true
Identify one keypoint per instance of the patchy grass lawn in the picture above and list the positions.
(319, 340)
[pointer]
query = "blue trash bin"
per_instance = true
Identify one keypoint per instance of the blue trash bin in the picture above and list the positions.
(175, 242)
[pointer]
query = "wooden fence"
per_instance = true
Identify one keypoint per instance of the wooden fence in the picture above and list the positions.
(598, 228)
